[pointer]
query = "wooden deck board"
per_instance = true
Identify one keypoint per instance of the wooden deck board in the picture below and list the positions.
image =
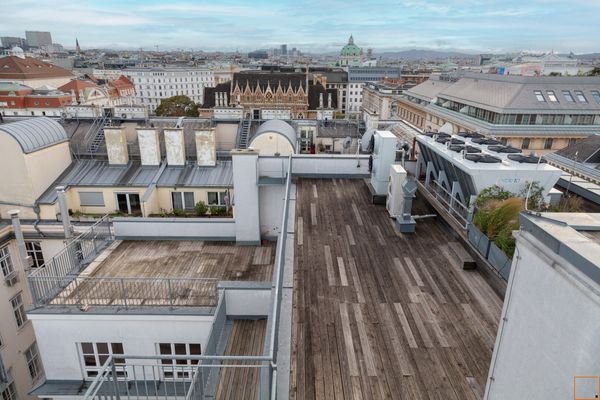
(380, 314)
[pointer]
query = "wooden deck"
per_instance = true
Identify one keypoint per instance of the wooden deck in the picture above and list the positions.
(133, 273)
(247, 339)
(188, 259)
(378, 314)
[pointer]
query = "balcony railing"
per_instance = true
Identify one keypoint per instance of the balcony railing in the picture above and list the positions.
(88, 291)
(455, 208)
(49, 279)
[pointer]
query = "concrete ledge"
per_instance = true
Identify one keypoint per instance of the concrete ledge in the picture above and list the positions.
(202, 238)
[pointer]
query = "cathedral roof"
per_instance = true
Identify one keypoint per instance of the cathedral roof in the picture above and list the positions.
(351, 49)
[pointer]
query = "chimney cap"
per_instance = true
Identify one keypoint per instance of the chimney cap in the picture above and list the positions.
(14, 213)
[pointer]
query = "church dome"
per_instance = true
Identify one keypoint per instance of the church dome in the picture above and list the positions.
(351, 49)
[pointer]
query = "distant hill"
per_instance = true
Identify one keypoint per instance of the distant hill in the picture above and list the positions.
(424, 54)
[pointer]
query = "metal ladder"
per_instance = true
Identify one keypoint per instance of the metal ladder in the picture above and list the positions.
(98, 126)
(244, 133)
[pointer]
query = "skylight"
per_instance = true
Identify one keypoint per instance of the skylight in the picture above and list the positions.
(551, 96)
(596, 95)
(567, 95)
(580, 96)
(539, 95)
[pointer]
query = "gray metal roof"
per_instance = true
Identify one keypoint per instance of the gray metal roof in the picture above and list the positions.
(277, 126)
(220, 175)
(99, 173)
(428, 89)
(35, 133)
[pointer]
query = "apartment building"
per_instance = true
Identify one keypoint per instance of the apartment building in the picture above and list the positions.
(32, 72)
(538, 114)
(358, 77)
(156, 83)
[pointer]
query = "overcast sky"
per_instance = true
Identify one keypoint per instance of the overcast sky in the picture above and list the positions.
(312, 25)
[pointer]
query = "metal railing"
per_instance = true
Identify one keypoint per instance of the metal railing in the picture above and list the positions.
(455, 207)
(84, 291)
(47, 280)
(163, 376)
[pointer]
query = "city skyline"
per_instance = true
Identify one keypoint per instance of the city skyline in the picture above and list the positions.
(309, 25)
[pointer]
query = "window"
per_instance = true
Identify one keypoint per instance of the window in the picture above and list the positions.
(183, 201)
(596, 95)
(538, 95)
(525, 143)
(10, 393)
(217, 198)
(34, 250)
(572, 141)
(18, 309)
(180, 368)
(551, 96)
(95, 355)
(32, 356)
(548, 144)
(129, 203)
(580, 96)
(6, 263)
(91, 199)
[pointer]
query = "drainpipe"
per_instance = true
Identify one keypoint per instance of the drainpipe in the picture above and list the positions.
(16, 223)
(64, 212)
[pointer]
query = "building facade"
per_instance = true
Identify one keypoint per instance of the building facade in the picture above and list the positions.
(351, 54)
(32, 72)
(155, 84)
(358, 77)
(538, 114)
(38, 39)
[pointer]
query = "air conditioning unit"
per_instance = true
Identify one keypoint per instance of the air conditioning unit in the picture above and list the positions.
(11, 279)
(395, 195)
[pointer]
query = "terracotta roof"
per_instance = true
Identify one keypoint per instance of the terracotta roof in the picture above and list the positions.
(13, 67)
(77, 85)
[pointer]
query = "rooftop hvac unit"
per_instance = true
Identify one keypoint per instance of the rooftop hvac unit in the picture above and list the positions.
(395, 196)
(384, 155)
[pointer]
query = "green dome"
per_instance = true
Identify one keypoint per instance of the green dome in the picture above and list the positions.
(351, 49)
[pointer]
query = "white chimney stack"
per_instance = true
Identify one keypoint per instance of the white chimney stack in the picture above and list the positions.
(206, 150)
(149, 146)
(175, 145)
(116, 145)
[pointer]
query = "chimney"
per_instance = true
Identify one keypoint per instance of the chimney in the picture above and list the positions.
(206, 151)
(149, 146)
(175, 146)
(64, 211)
(16, 223)
(245, 183)
(116, 146)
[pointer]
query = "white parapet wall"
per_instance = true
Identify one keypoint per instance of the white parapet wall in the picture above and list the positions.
(174, 228)
(330, 165)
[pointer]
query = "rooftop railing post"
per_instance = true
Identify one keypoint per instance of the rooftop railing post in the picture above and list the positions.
(94, 240)
(114, 379)
(170, 293)
(124, 291)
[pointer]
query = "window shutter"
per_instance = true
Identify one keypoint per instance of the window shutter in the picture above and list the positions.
(91, 199)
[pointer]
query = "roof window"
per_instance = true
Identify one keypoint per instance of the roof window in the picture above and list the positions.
(580, 96)
(539, 96)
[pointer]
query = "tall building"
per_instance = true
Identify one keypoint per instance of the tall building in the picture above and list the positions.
(154, 84)
(10, 42)
(538, 114)
(38, 39)
(284, 51)
(358, 77)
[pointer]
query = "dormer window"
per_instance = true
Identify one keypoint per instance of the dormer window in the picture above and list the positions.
(568, 96)
(580, 96)
(551, 96)
(539, 96)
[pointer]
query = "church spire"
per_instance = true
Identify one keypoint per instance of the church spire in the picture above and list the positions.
(351, 40)
(77, 48)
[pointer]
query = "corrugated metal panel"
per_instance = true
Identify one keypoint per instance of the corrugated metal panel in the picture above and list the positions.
(35, 133)
(220, 175)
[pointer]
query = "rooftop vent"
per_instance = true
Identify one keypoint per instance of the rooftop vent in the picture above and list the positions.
(483, 158)
(504, 149)
(458, 148)
(520, 158)
(485, 141)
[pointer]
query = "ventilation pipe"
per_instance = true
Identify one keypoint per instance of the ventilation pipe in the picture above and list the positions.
(406, 223)
(64, 211)
(16, 223)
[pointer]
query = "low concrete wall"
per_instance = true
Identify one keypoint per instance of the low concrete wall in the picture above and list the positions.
(174, 228)
(330, 165)
(247, 299)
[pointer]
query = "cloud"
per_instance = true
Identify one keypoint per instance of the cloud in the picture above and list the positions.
(312, 25)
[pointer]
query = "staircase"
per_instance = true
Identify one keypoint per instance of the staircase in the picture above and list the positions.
(244, 134)
(97, 130)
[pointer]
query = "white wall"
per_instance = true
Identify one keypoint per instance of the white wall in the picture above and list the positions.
(333, 164)
(551, 331)
(165, 228)
(245, 302)
(58, 336)
(271, 206)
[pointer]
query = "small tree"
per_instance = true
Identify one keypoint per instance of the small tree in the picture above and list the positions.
(492, 193)
(534, 193)
(594, 72)
(177, 106)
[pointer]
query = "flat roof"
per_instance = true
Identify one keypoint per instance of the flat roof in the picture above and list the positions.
(380, 314)
(146, 265)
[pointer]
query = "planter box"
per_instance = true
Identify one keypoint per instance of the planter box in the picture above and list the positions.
(479, 240)
(499, 261)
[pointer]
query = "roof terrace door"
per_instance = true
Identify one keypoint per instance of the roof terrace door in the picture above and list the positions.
(129, 203)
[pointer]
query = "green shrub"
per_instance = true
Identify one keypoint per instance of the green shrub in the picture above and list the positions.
(535, 201)
(492, 193)
(201, 208)
(218, 211)
(178, 212)
(497, 219)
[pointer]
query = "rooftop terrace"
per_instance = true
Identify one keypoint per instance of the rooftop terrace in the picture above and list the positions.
(164, 273)
(378, 314)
